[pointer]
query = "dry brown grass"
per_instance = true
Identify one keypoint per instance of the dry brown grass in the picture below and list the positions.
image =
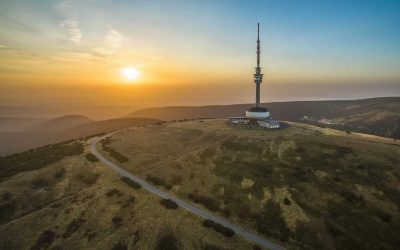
(78, 210)
(305, 172)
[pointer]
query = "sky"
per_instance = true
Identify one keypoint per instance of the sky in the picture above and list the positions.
(67, 52)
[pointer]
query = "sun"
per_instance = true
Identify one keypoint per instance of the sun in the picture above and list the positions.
(130, 73)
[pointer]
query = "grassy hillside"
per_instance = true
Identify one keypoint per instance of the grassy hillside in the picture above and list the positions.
(13, 142)
(307, 187)
(379, 116)
(61, 197)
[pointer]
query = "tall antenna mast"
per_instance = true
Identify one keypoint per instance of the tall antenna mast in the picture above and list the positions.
(258, 45)
(258, 76)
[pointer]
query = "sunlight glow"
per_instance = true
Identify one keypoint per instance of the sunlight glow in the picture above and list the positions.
(130, 73)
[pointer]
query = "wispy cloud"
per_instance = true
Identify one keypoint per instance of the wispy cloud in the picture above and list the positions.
(72, 27)
(70, 22)
(112, 42)
(3, 46)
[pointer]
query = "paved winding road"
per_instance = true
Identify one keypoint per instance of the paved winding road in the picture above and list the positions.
(196, 210)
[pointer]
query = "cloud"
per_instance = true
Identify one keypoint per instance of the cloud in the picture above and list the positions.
(112, 42)
(70, 20)
(113, 39)
(76, 58)
(72, 27)
(3, 46)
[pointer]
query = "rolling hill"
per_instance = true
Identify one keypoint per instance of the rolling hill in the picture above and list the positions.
(379, 116)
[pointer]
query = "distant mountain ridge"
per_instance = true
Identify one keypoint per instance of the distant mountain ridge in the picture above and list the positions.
(379, 116)
(60, 123)
(9, 123)
(13, 142)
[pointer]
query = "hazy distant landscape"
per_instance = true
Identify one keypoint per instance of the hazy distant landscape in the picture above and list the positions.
(377, 116)
(62, 129)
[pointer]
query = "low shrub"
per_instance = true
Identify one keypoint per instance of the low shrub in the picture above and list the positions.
(87, 177)
(307, 237)
(207, 153)
(350, 196)
(131, 182)
(167, 241)
(176, 180)
(113, 192)
(59, 174)
(6, 211)
(6, 196)
(91, 157)
(44, 240)
(208, 202)
(227, 232)
(384, 216)
(39, 183)
(155, 180)
(55, 205)
(300, 150)
(158, 181)
(120, 246)
(169, 204)
(73, 227)
(226, 212)
(208, 246)
(271, 223)
(112, 152)
(117, 221)
(129, 201)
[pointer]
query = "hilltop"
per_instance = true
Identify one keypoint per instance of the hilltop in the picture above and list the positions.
(304, 186)
(379, 116)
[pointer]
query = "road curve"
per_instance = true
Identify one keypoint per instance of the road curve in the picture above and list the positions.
(194, 209)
